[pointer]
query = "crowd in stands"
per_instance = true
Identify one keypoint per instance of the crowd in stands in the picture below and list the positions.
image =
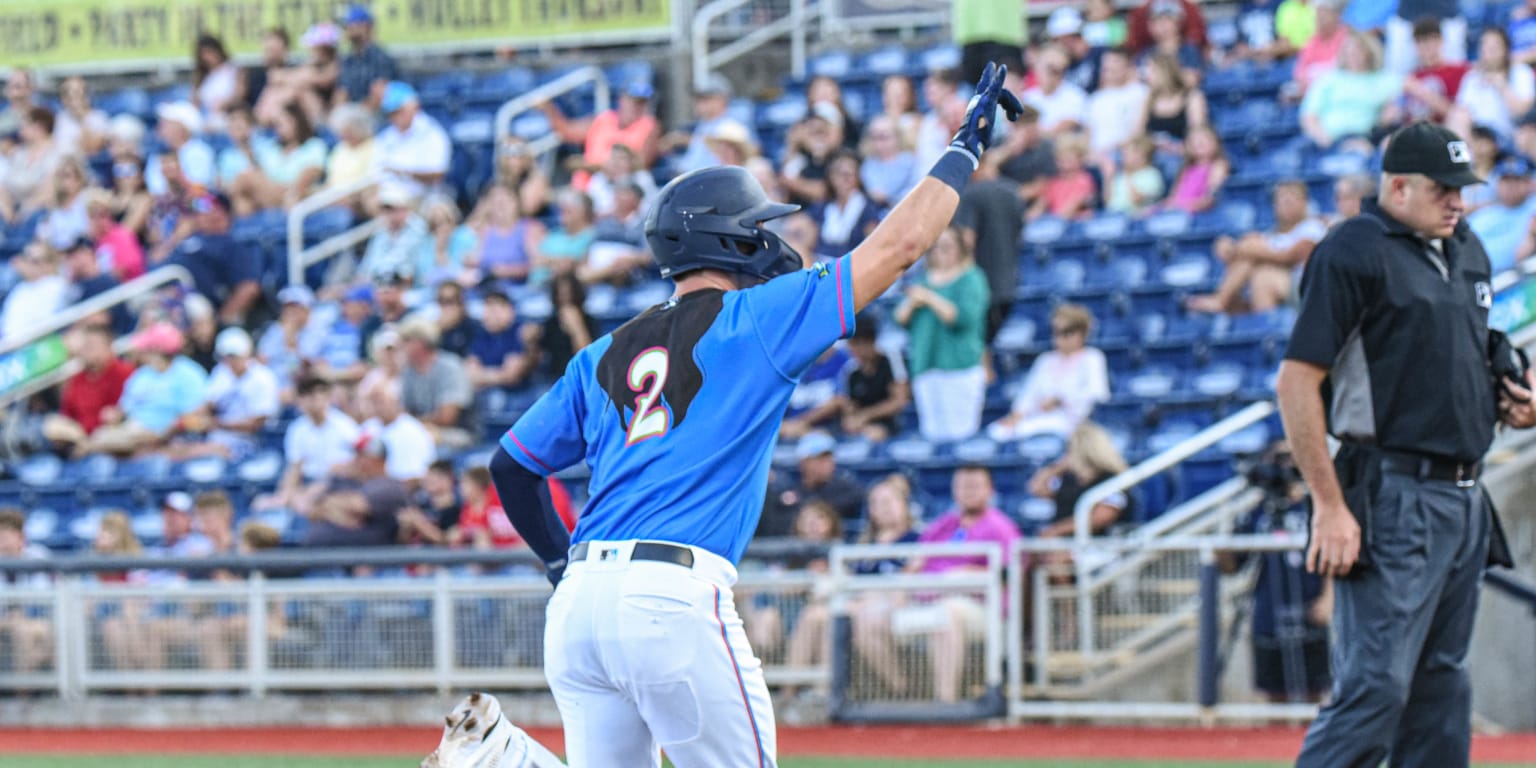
(380, 371)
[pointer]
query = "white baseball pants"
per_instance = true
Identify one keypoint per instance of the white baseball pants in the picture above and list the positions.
(644, 656)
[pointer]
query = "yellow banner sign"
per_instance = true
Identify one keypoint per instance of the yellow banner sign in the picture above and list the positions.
(37, 33)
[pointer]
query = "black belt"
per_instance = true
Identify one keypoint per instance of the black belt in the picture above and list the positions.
(1431, 468)
(654, 551)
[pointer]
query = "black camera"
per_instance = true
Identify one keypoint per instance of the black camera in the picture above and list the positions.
(1507, 362)
(1274, 472)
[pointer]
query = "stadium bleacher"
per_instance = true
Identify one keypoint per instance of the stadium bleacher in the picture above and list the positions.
(1172, 372)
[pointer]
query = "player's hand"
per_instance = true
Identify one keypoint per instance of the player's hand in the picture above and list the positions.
(1516, 406)
(1335, 541)
(975, 133)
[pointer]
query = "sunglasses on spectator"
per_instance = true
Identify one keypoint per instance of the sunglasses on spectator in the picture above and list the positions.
(125, 170)
(1063, 330)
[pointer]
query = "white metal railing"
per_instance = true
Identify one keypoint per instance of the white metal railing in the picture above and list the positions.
(1082, 512)
(544, 145)
(74, 313)
(433, 633)
(301, 258)
(795, 23)
(121, 294)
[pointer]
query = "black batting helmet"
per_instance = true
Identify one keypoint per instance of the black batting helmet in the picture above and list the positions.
(712, 219)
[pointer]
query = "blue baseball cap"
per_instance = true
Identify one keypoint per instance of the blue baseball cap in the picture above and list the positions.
(639, 90)
(1513, 166)
(396, 95)
(363, 293)
(357, 13)
(814, 444)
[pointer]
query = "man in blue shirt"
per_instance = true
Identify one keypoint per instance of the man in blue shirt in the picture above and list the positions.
(677, 413)
(1503, 224)
(223, 269)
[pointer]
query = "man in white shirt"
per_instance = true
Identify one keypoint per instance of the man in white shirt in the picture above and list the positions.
(413, 150)
(242, 394)
(711, 99)
(41, 293)
(1267, 264)
(1113, 110)
(409, 447)
(179, 125)
(319, 442)
(1063, 106)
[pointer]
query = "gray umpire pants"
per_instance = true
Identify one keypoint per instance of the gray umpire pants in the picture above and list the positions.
(1401, 629)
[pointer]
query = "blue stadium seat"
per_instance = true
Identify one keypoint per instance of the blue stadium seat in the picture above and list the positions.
(890, 60)
(623, 73)
(938, 57)
(497, 88)
(783, 113)
(833, 64)
(530, 125)
(326, 223)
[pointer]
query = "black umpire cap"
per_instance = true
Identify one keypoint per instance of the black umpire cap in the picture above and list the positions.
(1433, 151)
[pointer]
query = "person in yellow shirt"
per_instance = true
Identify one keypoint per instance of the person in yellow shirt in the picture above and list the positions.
(988, 30)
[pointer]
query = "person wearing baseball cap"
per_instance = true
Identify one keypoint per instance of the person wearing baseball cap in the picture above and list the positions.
(1394, 319)
(632, 123)
(413, 149)
(366, 68)
(1504, 224)
(223, 268)
(178, 124)
(166, 386)
(242, 395)
(711, 99)
(292, 340)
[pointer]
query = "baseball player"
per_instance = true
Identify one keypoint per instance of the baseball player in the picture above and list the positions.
(676, 413)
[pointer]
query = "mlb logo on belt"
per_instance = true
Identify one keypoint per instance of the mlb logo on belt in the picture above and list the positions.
(1484, 295)
(608, 555)
(1460, 152)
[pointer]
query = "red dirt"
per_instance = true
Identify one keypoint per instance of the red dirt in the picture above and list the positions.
(1040, 741)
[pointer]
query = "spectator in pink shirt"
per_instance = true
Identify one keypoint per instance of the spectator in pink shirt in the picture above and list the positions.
(116, 246)
(1071, 191)
(1321, 53)
(953, 622)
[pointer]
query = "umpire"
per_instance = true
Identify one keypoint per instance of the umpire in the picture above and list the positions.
(1392, 355)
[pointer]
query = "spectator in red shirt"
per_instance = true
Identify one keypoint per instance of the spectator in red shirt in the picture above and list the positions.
(483, 524)
(1430, 93)
(1139, 34)
(89, 393)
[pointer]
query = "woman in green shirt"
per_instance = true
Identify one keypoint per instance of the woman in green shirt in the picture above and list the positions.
(946, 317)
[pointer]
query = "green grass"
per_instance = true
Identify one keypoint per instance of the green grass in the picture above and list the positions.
(248, 761)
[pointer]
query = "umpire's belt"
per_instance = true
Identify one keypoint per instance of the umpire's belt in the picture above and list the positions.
(655, 551)
(1424, 467)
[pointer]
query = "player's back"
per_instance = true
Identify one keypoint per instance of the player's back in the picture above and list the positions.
(677, 412)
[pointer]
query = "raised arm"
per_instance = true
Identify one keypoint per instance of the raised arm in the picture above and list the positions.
(912, 226)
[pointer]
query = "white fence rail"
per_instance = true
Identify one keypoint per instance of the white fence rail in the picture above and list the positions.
(752, 24)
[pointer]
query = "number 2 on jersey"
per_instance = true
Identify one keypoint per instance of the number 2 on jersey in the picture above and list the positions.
(647, 376)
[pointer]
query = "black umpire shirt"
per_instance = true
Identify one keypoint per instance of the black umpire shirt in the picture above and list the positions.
(1403, 332)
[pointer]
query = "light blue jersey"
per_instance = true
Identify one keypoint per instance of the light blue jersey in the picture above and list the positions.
(677, 412)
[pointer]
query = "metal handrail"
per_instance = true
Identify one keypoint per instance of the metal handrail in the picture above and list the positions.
(1192, 445)
(107, 299)
(299, 258)
(795, 25)
(1082, 537)
(306, 558)
(543, 145)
